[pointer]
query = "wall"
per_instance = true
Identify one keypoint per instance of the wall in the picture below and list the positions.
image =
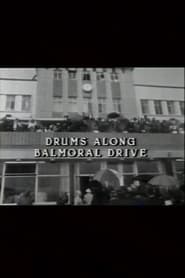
(145, 78)
(44, 95)
(159, 76)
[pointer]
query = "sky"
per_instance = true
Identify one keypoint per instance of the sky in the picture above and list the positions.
(147, 76)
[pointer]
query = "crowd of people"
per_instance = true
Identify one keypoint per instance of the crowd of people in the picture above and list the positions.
(137, 194)
(89, 124)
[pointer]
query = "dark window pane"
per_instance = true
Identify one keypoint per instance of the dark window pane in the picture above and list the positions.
(145, 106)
(89, 167)
(112, 165)
(171, 107)
(72, 74)
(147, 166)
(19, 169)
(1, 168)
(179, 166)
(182, 107)
(49, 169)
(158, 107)
(15, 186)
(26, 103)
(128, 167)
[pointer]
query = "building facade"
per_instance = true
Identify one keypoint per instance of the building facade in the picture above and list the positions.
(95, 92)
(160, 102)
(17, 94)
(47, 177)
(160, 92)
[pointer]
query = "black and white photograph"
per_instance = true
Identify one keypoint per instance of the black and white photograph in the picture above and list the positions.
(92, 136)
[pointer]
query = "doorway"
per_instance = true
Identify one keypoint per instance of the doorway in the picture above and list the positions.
(84, 183)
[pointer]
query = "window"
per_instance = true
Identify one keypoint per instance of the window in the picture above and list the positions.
(72, 74)
(10, 102)
(128, 167)
(57, 74)
(20, 169)
(1, 168)
(179, 168)
(86, 171)
(114, 76)
(57, 84)
(147, 167)
(102, 106)
(100, 76)
(19, 178)
(145, 106)
(45, 181)
(49, 188)
(49, 169)
(171, 107)
(26, 103)
(112, 165)
(89, 168)
(86, 76)
(53, 179)
(117, 106)
(181, 103)
(158, 107)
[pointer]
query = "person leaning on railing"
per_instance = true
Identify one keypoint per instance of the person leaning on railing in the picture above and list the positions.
(135, 125)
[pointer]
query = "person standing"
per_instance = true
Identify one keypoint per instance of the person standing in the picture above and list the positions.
(63, 199)
(78, 198)
(88, 197)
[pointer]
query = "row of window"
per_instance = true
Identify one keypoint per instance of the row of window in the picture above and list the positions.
(158, 107)
(73, 91)
(47, 180)
(11, 102)
(102, 106)
(46, 168)
(88, 107)
(86, 76)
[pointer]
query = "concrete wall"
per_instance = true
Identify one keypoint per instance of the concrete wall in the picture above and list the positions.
(129, 104)
(44, 95)
(26, 73)
(159, 76)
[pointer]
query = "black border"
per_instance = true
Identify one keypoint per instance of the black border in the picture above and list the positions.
(125, 241)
